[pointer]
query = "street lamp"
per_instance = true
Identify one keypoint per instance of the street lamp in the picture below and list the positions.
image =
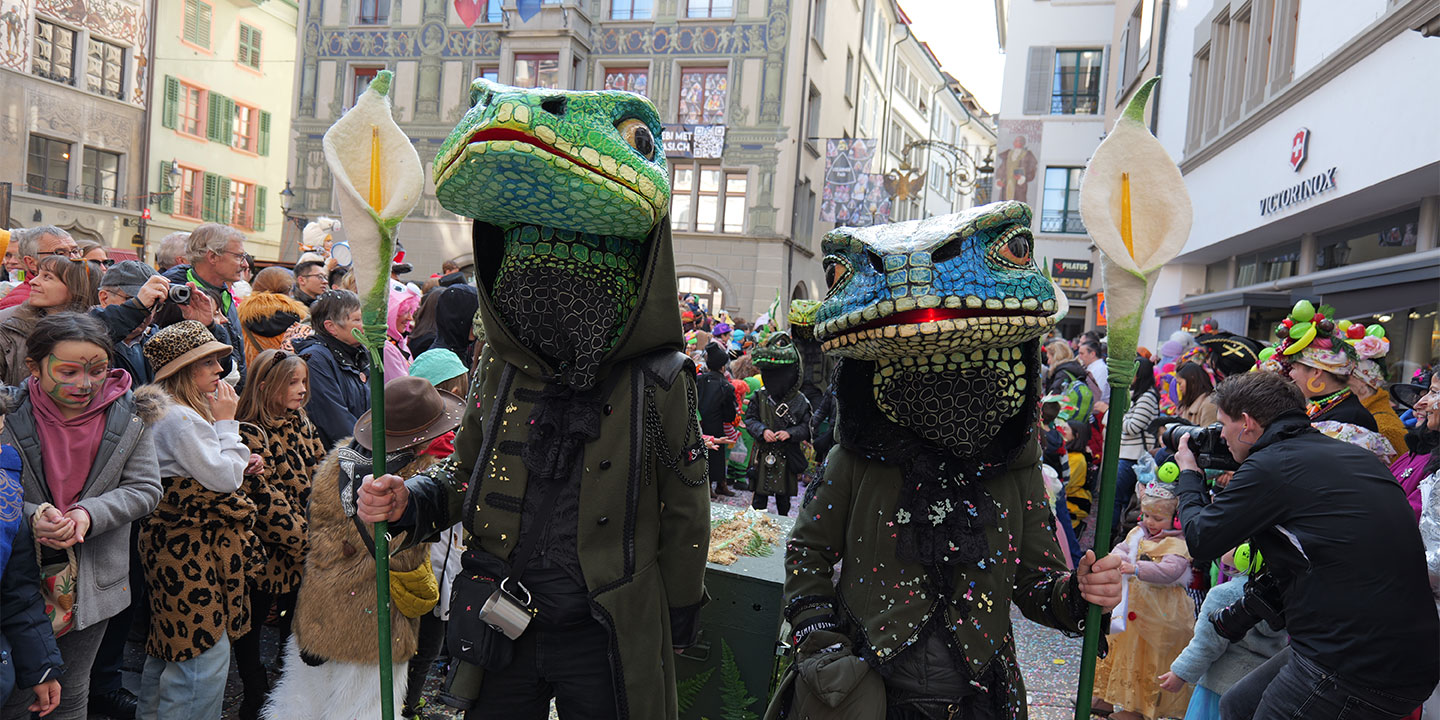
(287, 200)
(961, 169)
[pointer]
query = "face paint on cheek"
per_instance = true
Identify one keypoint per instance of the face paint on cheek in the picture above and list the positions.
(73, 394)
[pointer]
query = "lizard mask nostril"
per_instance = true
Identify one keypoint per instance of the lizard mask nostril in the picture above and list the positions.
(554, 105)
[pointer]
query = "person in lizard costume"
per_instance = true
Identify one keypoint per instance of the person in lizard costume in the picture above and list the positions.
(579, 469)
(816, 367)
(933, 501)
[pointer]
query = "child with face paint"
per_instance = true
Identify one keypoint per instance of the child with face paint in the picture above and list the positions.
(60, 285)
(88, 472)
(274, 425)
(197, 544)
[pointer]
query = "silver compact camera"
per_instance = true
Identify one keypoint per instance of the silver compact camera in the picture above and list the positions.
(506, 613)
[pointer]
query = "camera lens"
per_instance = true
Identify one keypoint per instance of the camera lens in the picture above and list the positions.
(180, 294)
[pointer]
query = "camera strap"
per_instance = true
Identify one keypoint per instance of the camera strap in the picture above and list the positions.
(530, 535)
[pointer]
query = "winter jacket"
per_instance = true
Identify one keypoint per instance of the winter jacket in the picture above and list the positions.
(761, 415)
(1214, 663)
(281, 493)
(197, 547)
(340, 569)
(123, 486)
(339, 394)
(264, 318)
(228, 332)
(1387, 422)
(1336, 530)
(17, 295)
(123, 321)
(717, 402)
(1409, 468)
(1202, 412)
(642, 520)
(1028, 570)
(28, 655)
(15, 325)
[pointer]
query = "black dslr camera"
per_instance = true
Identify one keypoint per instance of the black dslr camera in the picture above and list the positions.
(1211, 452)
(1263, 600)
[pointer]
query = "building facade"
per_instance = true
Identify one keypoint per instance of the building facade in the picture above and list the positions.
(726, 76)
(74, 88)
(1053, 108)
(1294, 196)
(217, 135)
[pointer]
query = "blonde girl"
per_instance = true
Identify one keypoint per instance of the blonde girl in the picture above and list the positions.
(273, 424)
(196, 545)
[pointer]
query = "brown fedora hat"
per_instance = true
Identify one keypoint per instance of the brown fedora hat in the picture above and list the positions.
(415, 413)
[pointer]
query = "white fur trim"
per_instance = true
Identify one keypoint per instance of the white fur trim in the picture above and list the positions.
(333, 691)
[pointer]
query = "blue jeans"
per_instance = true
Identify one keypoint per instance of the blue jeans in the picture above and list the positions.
(189, 690)
(1124, 488)
(1062, 516)
(1290, 686)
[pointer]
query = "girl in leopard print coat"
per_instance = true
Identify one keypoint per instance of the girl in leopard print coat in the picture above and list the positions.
(274, 425)
(197, 546)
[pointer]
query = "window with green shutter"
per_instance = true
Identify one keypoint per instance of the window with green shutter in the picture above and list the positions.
(212, 195)
(249, 53)
(197, 23)
(169, 116)
(264, 133)
(167, 200)
(222, 200)
(220, 121)
(258, 223)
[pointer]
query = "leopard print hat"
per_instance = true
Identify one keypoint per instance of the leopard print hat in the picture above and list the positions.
(179, 345)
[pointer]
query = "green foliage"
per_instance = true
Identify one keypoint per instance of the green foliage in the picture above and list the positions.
(735, 700)
(688, 689)
(757, 547)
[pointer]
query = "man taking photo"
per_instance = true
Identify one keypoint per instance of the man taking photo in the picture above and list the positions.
(1340, 541)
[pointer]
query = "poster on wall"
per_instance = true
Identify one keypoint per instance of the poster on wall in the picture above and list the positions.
(852, 195)
(1017, 167)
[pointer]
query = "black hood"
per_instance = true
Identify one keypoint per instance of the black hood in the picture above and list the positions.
(454, 316)
(780, 380)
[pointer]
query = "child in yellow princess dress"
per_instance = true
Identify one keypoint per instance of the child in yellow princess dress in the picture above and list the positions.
(1156, 618)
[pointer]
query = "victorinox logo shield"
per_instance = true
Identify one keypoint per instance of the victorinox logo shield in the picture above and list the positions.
(1298, 146)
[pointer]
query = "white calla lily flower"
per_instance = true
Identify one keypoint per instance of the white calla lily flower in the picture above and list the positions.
(351, 146)
(1136, 207)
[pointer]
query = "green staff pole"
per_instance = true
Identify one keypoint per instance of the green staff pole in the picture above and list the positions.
(1122, 373)
(374, 325)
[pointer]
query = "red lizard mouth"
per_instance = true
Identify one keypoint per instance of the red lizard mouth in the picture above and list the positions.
(924, 315)
(490, 134)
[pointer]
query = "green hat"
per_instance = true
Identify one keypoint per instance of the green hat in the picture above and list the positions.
(437, 366)
(778, 349)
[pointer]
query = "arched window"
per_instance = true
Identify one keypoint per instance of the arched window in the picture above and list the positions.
(711, 297)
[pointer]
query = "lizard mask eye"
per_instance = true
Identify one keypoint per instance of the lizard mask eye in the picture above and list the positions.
(1015, 246)
(637, 134)
(837, 271)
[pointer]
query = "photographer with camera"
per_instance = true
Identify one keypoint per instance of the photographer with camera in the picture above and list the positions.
(1346, 571)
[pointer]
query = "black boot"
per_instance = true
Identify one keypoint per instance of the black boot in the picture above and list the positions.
(117, 704)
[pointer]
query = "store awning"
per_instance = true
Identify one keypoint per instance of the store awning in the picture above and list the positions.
(1225, 300)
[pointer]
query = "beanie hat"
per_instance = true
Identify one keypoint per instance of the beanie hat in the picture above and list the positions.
(437, 365)
(716, 357)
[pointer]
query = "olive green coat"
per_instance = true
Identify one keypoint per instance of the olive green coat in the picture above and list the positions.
(882, 602)
(644, 524)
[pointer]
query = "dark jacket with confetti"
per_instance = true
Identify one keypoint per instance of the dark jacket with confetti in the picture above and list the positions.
(641, 520)
(883, 603)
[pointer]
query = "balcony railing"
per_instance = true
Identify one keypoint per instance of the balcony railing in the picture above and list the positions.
(93, 194)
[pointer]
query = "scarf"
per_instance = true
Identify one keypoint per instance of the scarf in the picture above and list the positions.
(68, 445)
(351, 357)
